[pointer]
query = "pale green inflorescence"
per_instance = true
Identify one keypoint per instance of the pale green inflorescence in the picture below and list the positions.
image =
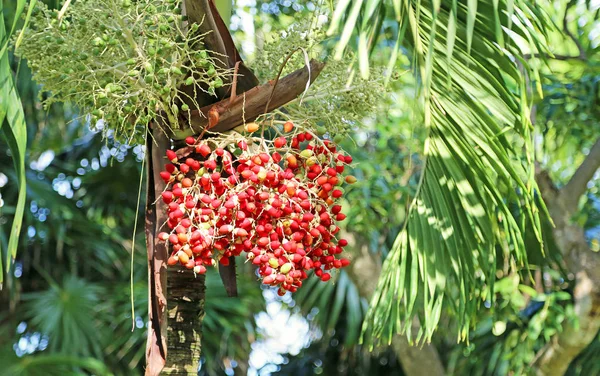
(121, 61)
(340, 99)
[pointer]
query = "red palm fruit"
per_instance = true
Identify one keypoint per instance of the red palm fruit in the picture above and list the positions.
(331, 171)
(196, 235)
(339, 169)
(264, 157)
(170, 168)
(167, 196)
(308, 136)
(224, 261)
(333, 180)
(165, 175)
(184, 168)
(187, 182)
(225, 229)
(215, 203)
(163, 236)
(172, 156)
(343, 243)
(240, 232)
(288, 126)
(190, 140)
(268, 279)
(276, 157)
(337, 193)
(173, 260)
(340, 217)
(345, 262)
(246, 174)
(322, 180)
(210, 164)
(348, 159)
(242, 144)
(336, 209)
(262, 242)
(173, 239)
(327, 187)
(186, 223)
(301, 137)
(199, 269)
(279, 142)
(307, 217)
(190, 204)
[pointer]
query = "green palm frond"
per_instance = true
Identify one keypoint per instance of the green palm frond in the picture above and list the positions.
(337, 303)
(15, 133)
(65, 313)
(478, 160)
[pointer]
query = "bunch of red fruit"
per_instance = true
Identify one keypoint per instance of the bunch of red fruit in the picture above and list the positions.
(275, 201)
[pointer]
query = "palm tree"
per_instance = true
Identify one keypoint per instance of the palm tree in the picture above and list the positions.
(475, 206)
(472, 58)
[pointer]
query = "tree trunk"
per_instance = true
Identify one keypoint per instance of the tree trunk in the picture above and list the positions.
(156, 145)
(554, 359)
(185, 297)
(364, 271)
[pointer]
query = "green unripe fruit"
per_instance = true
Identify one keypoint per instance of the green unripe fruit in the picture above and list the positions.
(149, 78)
(133, 73)
(176, 70)
(185, 107)
(338, 138)
(321, 130)
(148, 67)
(189, 81)
(211, 71)
(217, 83)
(98, 42)
(131, 62)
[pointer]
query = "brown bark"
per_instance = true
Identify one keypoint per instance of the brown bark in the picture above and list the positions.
(156, 146)
(555, 358)
(364, 271)
(254, 102)
(186, 294)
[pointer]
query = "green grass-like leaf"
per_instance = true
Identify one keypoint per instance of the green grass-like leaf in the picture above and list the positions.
(15, 133)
